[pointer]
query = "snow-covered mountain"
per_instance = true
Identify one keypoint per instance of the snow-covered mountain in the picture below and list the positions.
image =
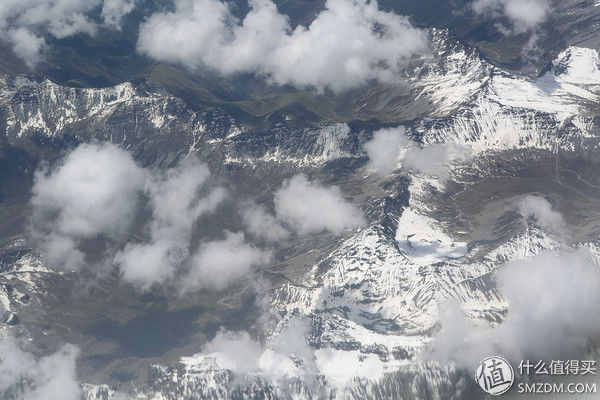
(371, 299)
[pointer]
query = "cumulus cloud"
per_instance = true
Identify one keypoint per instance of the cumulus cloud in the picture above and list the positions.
(287, 354)
(114, 10)
(95, 193)
(541, 210)
(147, 264)
(553, 309)
(177, 201)
(433, 159)
(24, 22)
(262, 225)
(92, 192)
(290, 339)
(342, 366)
(385, 148)
(26, 45)
(348, 43)
(301, 206)
(61, 252)
(309, 207)
(390, 148)
(219, 263)
(237, 351)
(524, 15)
(22, 376)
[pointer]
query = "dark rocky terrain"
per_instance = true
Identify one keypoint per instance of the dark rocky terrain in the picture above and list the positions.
(370, 293)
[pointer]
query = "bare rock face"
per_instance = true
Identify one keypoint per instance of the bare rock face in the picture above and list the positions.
(370, 297)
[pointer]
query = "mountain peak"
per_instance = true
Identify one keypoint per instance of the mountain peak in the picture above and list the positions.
(578, 65)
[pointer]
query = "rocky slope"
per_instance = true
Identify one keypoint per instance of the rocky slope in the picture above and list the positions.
(370, 299)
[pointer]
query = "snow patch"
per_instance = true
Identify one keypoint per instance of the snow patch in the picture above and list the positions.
(423, 240)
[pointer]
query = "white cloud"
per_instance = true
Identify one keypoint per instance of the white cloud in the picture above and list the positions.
(309, 207)
(553, 308)
(92, 192)
(391, 148)
(433, 159)
(24, 22)
(238, 352)
(235, 351)
(287, 354)
(147, 264)
(385, 148)
(26, 45)
(219, 263)
(61, 18)
(261, 224)
(290, 339)
(342, 366)
(524, 15)
(541, 209)
(22, 376)
(348, 43)
(196, 29)
(114, 10)
(177, 200)
(62, 252)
